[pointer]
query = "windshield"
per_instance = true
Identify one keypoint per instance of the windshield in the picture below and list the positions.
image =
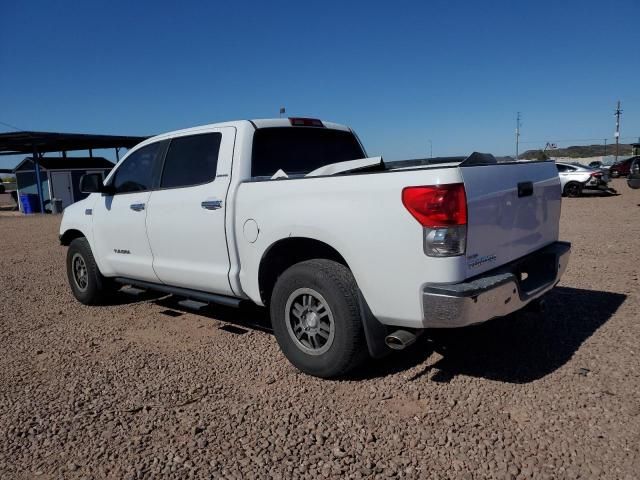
(300, 150)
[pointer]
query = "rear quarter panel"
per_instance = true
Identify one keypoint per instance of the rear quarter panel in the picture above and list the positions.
(363, 218)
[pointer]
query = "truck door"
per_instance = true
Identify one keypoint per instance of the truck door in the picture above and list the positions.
(119, 219)
(186, 215)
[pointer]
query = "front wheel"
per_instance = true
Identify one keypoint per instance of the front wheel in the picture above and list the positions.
(316, 318)
(88, 285)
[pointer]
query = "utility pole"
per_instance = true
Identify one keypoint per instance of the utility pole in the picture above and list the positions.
(605, 147)
(617, 114)
(430, 149)
(518, 124)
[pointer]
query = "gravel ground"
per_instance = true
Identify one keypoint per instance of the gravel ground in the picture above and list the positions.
(127, 391)
(6, 202)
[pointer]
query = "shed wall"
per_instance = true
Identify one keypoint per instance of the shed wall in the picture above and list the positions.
(26, 182)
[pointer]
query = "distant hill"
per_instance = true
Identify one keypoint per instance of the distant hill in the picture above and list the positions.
(580, 151)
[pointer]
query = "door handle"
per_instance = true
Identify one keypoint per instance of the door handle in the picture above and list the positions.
(211, 204)
(137, 207)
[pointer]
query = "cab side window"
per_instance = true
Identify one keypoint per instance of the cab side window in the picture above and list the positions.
(561, 168)
(191, 160)
(139, 171)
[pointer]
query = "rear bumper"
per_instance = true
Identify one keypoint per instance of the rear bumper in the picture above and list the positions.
(601, 185)
(496, 293)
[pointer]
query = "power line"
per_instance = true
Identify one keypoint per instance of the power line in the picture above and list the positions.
(11, 126)
(599, 139)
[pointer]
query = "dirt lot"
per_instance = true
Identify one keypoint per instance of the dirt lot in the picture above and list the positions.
(127, 391)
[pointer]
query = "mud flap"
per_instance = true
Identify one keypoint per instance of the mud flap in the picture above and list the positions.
(374, 331)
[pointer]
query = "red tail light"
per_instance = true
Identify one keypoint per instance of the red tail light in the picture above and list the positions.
(596, 174)
(437, 205)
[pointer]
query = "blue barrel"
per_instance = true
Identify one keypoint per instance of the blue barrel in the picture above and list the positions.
(30, 203)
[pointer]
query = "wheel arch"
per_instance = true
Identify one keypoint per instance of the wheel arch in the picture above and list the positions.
(285, 253)
(70, 235)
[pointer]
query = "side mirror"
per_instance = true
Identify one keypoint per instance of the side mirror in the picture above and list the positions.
(91, 183)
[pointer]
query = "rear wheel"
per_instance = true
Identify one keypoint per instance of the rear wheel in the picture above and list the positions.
(573, 189)
(316, 318)
(88, 285)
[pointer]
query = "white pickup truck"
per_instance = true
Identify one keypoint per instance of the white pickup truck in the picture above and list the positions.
(353, 256)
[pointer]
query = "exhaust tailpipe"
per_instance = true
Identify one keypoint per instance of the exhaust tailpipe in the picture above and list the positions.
(400, 339)
(539, 305)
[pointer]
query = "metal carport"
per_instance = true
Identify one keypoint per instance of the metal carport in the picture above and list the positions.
(37, 144)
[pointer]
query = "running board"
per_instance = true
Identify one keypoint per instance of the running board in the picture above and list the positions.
(192, 304)
(182, 292)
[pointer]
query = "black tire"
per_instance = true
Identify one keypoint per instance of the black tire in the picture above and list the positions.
(333, 283)
(573, 189)
(92, 288)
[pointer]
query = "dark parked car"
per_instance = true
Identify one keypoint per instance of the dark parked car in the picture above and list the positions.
(634, 175)
(596, 164)
(621, 169)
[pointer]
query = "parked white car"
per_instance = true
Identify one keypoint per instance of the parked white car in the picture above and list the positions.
(576, 178)
(348, 255)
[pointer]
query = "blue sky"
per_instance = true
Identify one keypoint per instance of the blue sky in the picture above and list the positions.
(400, 73)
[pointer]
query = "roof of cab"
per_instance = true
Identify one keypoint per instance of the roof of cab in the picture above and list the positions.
(256, 123)
(286, 122)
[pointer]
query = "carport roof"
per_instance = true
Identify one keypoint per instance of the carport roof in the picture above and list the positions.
(66, 163)
(12, 143)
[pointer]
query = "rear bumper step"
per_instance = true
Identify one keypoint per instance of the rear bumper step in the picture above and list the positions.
(496, 293)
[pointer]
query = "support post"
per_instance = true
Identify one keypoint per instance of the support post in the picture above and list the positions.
(36, 167)
(518, 124)
(117, 154)
(91, 153)
(617, 114)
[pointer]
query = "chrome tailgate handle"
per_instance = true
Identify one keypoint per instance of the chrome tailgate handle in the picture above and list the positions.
(211, 204)
(137, 207)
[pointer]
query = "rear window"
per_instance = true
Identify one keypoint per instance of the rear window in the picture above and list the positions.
(191, 160)
(300, 150)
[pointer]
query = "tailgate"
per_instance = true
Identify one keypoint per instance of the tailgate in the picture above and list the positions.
(513, 210)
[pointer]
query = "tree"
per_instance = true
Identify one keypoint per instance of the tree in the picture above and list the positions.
(541, 155)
